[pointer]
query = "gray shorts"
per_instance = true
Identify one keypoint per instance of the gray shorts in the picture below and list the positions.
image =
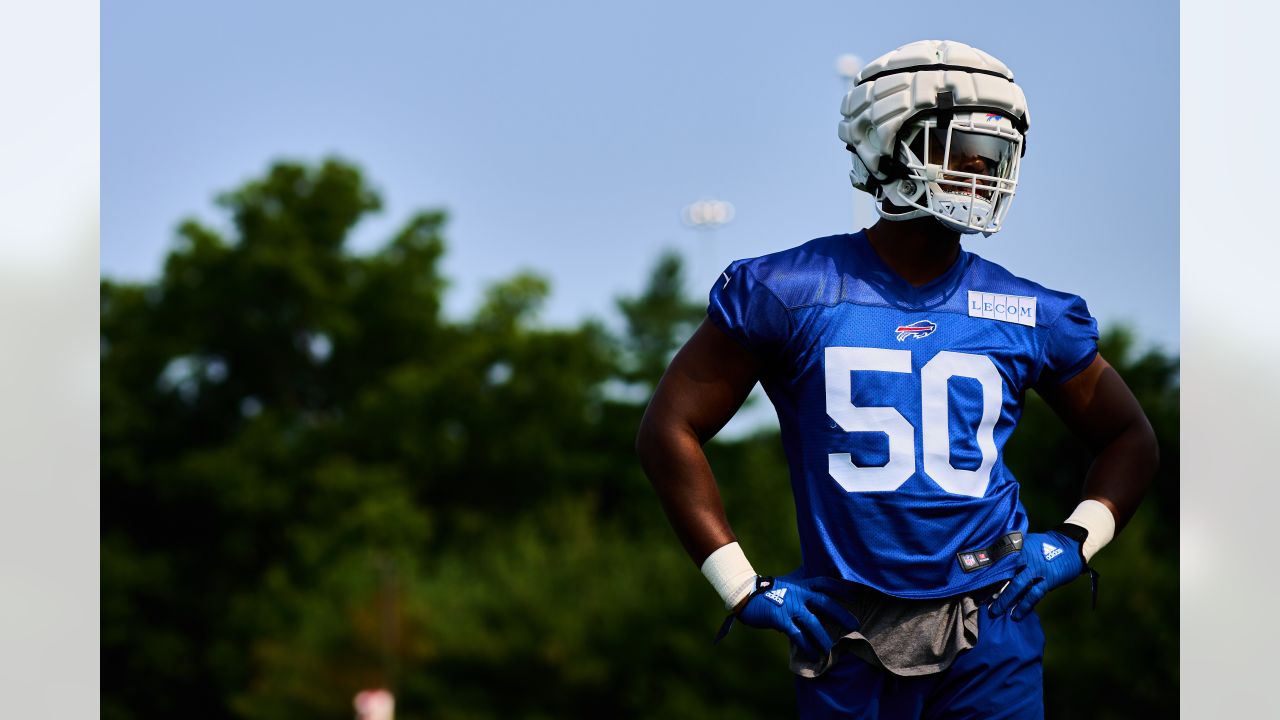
(904, 637)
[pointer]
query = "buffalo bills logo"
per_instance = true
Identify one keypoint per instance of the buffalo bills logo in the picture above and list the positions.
(992, 117)
(918, 329)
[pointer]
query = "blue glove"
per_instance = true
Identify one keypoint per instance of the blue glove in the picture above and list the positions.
(792, 607)
(1048, 560)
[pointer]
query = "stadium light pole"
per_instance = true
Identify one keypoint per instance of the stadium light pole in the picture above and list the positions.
(705, 216)
(848, 66)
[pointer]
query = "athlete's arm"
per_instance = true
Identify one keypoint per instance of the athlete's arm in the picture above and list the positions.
(705, 384)
(1099, 408)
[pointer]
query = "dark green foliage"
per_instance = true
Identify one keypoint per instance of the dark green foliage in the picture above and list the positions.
(314, 483)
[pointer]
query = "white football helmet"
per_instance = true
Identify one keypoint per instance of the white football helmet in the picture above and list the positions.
(937, 127)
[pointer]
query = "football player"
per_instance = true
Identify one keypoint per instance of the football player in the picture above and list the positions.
(897, 362)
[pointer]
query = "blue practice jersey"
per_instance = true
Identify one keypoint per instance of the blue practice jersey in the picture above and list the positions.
(895, 402)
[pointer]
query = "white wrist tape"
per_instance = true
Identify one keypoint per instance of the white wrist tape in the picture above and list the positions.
(1098, 520)
(730, 574)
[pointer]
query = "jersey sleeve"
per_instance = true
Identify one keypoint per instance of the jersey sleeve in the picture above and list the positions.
(748, 311)
(1071, 346)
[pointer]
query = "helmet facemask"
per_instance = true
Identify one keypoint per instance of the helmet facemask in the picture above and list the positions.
(961, 168)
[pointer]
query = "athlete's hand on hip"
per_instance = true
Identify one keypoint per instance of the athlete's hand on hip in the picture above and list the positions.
(1048, 560)
(796, 608)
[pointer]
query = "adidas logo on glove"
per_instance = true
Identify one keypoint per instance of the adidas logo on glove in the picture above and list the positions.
(777, 595)
(1050, 552)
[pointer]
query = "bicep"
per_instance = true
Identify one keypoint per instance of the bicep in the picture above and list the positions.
(1095, 404)
(705, 384)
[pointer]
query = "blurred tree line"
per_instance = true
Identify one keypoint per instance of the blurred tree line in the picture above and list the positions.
(314, 482)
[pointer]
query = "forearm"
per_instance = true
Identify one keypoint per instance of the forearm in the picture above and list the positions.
(1122, 470)
(677, 468)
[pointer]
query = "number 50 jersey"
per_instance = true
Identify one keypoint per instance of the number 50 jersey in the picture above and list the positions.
(895, 403)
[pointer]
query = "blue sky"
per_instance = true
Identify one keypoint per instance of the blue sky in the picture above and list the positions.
(567, 137)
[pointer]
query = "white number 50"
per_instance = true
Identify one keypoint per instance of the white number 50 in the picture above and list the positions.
(842, 362)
